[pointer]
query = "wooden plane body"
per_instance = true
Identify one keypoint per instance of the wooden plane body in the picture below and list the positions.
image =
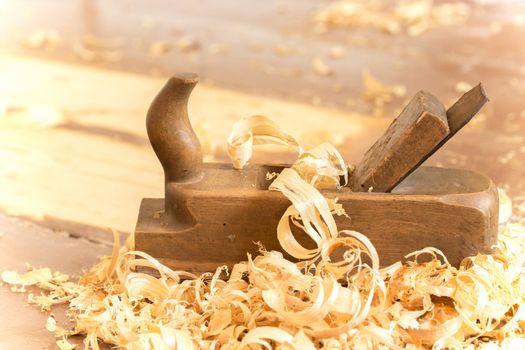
(451, 209)
(213, 214)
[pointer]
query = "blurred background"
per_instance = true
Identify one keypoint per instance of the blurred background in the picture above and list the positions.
(77, 77)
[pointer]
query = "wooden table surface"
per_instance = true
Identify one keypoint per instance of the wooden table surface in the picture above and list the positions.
(23, 326)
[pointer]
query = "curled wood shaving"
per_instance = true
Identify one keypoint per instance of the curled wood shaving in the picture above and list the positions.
(252, 131)
(322, 167)
(335, 297)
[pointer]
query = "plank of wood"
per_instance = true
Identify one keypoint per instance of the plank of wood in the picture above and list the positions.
(413, 134)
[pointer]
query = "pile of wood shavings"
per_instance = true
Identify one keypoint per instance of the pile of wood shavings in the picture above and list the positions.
(269, 302)
(412, 17)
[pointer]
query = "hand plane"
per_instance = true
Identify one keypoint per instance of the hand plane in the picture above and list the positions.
(212, 214)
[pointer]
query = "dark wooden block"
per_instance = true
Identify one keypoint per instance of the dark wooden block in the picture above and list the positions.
(413, 134)
(461, 112)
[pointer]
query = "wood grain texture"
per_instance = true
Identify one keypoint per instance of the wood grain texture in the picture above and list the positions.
(413, 134)
(458, 115)
(170, 131)
(465, 109)
(453, 210)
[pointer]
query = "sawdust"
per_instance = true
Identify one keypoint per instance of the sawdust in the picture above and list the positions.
(320, 302)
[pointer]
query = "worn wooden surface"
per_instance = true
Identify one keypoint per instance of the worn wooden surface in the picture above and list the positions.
(453, 210)
(412, 135)
(23, 326)
(170, 131)
(458, 115)
(461, 112)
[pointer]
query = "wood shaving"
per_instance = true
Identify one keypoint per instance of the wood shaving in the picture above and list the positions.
(48, 39)
(378, 94)
(188, 44)
(87, 52)
(337, 52)
(30, 278)
(252, 131)
(159, 48)
(335, 297)
(412, 17)
(322, 167)
(51, 323)
(321, 68)
(63, 344)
